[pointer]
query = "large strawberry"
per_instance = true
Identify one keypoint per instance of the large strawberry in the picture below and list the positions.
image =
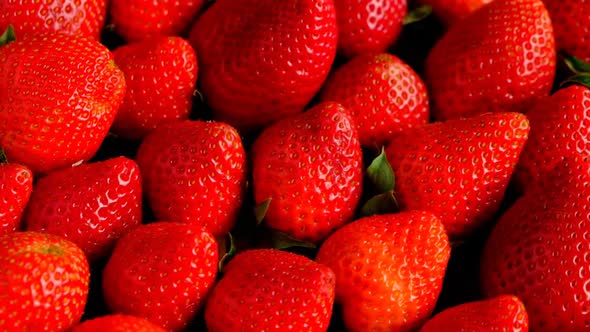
(309, 167)
(118, 323)
(58, 97)
(571, 23)
(382, 93)
(452, 11)
(499, 59)
(91, 205)
(271, 290)
(161, 74)
(16, 184)
(389, 270)
(30, 17)
(458, 169)
(194, 172)
(43, 282)
(262, 60)
(162, 272)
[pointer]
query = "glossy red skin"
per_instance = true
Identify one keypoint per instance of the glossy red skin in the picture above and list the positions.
(16, 184)
(504, 313)
(138, 19)
(368, 26)
(500, 59)
(161, 272)
(310, 166)
(84, 18)
(92, 205)
(383, 94)
(389, 270)
(58, 97)
(43, 281)
(117, 323)
(458, 169)
(271, 290)
(195, 172)
(571, 22)
(540, 249)
(452, 11)
(263, 60)
(161, 75)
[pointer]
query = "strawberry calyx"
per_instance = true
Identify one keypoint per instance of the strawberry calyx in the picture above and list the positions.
(261, 209)
(382, 178)
(228, 248)
(580, 68)
(284, 241)
(417, 14)
(8, 36)
(3, 159)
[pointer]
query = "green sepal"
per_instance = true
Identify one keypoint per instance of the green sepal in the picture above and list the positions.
(580, 79)
(283, 241)
(575, 64)
(261, 209)
(8, 36)
(230, 252)
(3, 159)
(381, 174)
(417, 14)
(383, 203)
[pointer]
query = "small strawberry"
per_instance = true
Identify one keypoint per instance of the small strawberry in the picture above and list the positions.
(571, 23)
(194, 172)
(58, 97)
(271, 290)
(499, 59)
(161, 272)
(309, 167)
(43, 282)
(503, 313)
(382, 93)
(389, 270)
(91, 205)
(16, 184)
(161, 74)
(262, 60)
(118, 323)
(458, 169)
(453, 11)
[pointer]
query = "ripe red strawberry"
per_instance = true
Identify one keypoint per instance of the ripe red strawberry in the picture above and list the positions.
(83, 18)
(16, 184)
(389, 270)
(262, 60)
(571, 23)
(309, 166)
(458, 169)
(161, 74)
(92, 205)
(58, 97)
(162, 272)
(367, 26)
(382, 93)
(194, 172)
(271, 290)
(118, 323)
(138, 19)
(499, 59)
(453, 11)
(503, 313)
(43, 282)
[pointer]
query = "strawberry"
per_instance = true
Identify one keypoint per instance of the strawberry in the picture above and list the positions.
(458, 169)
(117, 323)
(262, 60)
(271, 290)
(389, 269)
(43, 282)
(382, 93)
(502, 313)
(83, 18)
(194, 172)
(161, 272)
(161, 74)
(137, 19)
(453, 11)
(91, 205)
(367, 26)
(58, 97)
(571, 22)
(16, 184)
(499, 59)
(309, 167)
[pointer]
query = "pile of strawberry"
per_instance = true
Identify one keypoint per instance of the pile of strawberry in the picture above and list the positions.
(271, 165)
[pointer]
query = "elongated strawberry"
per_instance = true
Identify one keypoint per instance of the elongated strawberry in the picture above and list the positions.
(309, 167)
(499, 59)
(262, 60)
(118, 323)
(16, 184)
(571, 23)
(453, 11)
(389, 270)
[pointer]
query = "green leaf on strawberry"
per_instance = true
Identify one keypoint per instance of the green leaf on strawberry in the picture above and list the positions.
(417, 15)
(3, 159)
(261, 209)
(576, 64)
(381, 173)
(283, 241)
(380, 204)
(230, 252)
(580, 79)
(8, 36)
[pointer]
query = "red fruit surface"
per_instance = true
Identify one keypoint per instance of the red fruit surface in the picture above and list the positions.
(161, 75)
(161, 272)
(453, 11)
(118, 323)
(16, 184)
(43, 282)
(389, 270)
(500, 59)
(262, 60)
(571, 23)
(382, 93)
(458, 169)
(271, 290)
(310, 166)
(92, 205)
(194, 172)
